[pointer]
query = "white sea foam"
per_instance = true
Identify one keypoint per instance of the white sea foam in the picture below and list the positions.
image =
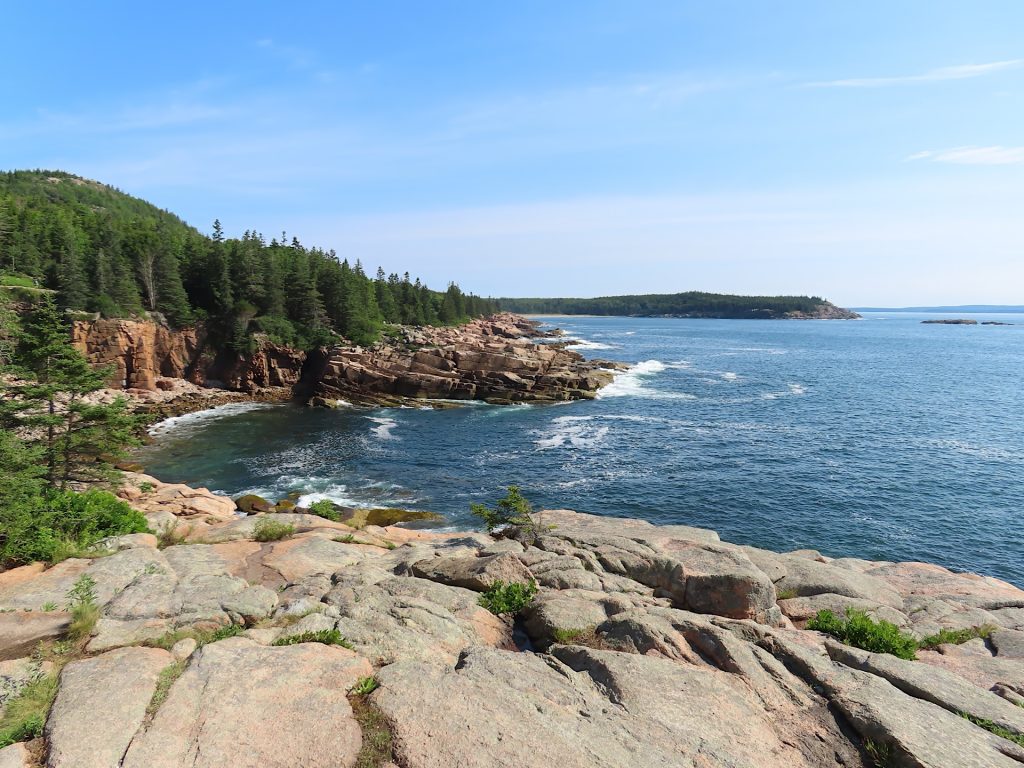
(587, 344)
(796, 389)
(633, 382)
(576, 433)
(729, 376)
(384, 427)
(198, 418)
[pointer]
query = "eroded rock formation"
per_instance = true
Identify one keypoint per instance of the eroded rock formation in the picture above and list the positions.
(496, 359)
(645, 645)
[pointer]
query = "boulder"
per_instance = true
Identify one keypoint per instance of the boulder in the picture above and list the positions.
(239, 703)
(476, 573)
(390, 618)
(251, 504)
(100, 704)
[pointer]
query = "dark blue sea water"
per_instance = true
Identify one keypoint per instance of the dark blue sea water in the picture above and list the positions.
(881, 438)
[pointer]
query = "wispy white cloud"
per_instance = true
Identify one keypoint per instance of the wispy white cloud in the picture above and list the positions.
(994, 155)
(959, 72)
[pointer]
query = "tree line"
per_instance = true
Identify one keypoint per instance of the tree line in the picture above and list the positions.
(107, 252)
(689, 304)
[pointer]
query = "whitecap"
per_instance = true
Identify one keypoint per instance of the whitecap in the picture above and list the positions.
(586, 344)
(631, 382)
(729, 376)
(796, 389)
(574, 433)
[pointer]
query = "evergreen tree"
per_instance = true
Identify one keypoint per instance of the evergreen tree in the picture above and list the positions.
(77, 436)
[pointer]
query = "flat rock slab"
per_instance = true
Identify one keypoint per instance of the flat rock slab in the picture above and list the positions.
(579, 709)
(100, 705)
(15, 756)
(242, 705)
(947, 690)
(21, 631)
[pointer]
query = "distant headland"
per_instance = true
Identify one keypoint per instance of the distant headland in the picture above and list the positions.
(689, 304)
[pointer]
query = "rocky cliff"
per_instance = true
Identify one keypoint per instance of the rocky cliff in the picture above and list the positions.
(645, 645)
(496, 359)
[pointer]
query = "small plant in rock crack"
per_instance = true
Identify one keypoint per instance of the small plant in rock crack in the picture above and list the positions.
(365, 686)
(861, 631)
(511, 598)
(82, 604)
(271, 530)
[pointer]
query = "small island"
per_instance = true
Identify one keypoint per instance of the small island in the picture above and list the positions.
(958, 321)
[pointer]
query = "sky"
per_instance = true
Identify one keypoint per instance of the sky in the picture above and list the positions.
(869, 152)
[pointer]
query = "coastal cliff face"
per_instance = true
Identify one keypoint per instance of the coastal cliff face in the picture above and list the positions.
(644, 646)
(496, 359)
(144, 355)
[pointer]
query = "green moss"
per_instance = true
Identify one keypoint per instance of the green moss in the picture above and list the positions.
(861, 631)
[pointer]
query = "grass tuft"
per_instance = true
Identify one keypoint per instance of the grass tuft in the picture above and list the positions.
(201, 636)
(325, 636)
(365, 686)
(955, 636)
(376, 749)
(164, 682)
(25, 715)
(996, 730)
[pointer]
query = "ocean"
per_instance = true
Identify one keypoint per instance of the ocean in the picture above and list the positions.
(881, 438)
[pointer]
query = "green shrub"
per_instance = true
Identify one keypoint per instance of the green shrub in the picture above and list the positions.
(325, 636)
(63, 523)
(502, 598)
(955, 636)
(272, 530)
(326, 509)
(861, 631)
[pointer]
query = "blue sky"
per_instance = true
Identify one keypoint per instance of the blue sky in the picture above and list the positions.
(871, 152)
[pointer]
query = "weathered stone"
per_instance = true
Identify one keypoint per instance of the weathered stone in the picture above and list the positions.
(128, 541)
(942, 688)
(21, 631)
(476, 573)
(16, 756)
(578, 709)
(251, 504)
(184, 648)
(100, 705)
(801, 609)
(390, 618)
(1008, 643)
(251, 604)
(239, 703)
(805, 577)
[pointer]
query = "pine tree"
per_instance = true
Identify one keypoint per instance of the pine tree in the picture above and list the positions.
(76, 437)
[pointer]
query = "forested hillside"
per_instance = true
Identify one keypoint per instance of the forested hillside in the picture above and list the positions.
(690, 304)
(104, 251)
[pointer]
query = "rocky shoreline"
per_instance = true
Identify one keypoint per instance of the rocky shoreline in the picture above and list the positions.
(645, 645)
(498, 359)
